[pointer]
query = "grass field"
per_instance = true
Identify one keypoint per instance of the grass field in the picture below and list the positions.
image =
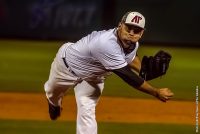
(59, 127)
(25, 65)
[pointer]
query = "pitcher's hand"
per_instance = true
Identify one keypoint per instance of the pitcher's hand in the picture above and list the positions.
(164, 94)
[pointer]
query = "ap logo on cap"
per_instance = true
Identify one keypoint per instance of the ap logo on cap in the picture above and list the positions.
(135, 18)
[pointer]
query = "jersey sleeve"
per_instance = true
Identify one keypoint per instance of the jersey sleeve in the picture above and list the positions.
(109, 54)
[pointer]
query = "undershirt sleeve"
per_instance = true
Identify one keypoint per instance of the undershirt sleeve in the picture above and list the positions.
(129, 76)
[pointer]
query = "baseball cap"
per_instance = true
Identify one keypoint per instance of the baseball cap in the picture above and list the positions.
(134, 18)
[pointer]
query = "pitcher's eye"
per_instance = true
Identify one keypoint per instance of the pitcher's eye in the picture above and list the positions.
(135, 29)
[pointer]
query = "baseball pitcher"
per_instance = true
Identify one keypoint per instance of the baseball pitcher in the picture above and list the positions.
(85, 64)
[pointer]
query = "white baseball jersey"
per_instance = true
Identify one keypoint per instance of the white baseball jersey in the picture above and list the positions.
(93, 55)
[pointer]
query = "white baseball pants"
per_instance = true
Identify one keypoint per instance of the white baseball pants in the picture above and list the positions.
(87, 94)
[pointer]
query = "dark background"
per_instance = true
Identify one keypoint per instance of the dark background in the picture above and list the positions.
(171, 22)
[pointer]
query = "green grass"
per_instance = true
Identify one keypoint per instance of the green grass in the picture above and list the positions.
(62, 127)
(24, 67)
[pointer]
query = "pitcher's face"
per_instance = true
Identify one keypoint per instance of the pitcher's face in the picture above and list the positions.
(129, 34)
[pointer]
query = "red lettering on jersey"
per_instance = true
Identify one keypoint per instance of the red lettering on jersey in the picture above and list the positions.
(136, 19)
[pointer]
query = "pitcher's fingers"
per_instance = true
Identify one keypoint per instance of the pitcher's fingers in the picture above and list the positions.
(170, 94)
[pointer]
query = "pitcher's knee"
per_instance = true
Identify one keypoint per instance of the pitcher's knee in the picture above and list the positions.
(86, 111)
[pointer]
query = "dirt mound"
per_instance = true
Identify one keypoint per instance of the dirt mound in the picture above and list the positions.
(111, 109)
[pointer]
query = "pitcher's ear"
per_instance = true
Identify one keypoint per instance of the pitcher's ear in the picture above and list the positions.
(142, 32)
(120, 24)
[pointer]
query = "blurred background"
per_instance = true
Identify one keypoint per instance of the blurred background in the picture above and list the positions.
(167, 21)
(31, 31)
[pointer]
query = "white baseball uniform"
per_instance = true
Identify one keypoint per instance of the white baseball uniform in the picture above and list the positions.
(88, 62)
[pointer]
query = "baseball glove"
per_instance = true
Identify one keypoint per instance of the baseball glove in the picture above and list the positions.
(155, 66)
